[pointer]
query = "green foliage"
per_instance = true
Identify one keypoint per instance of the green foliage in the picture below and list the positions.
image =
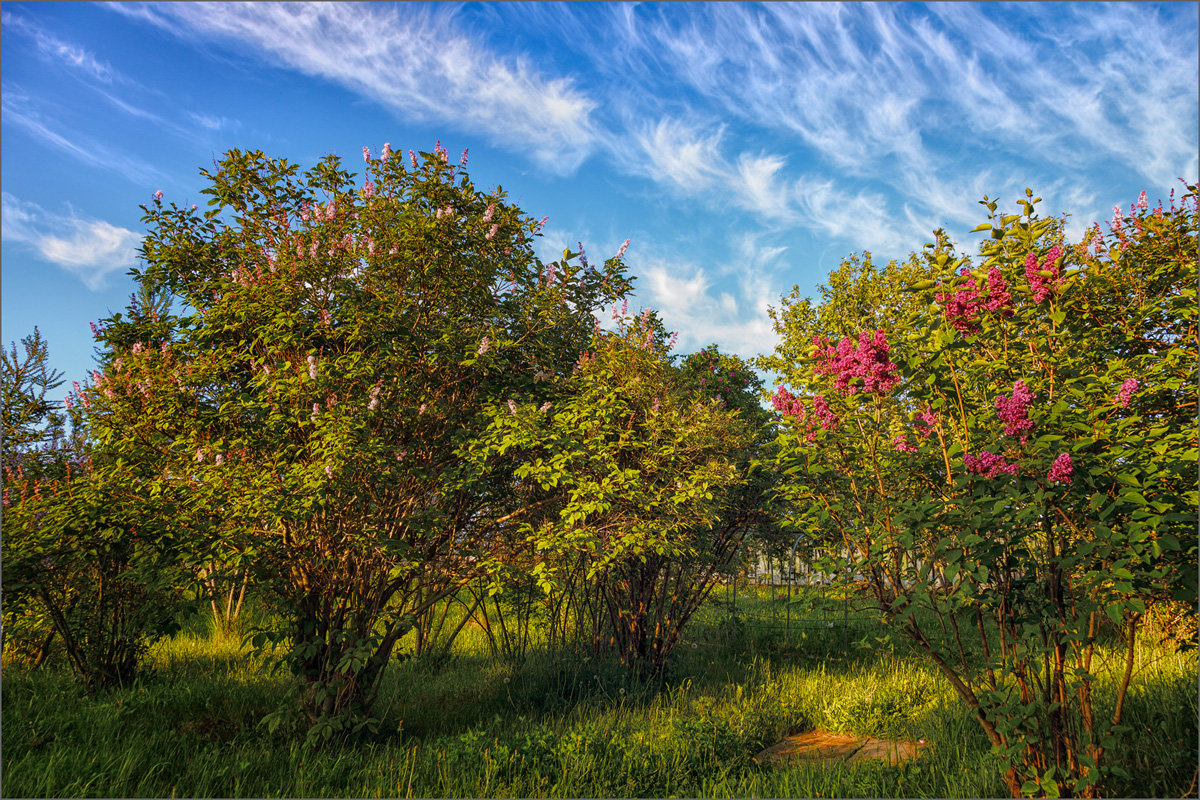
(93, 562)
(631, 472)
(89, 567)
(858, 296)
(30, 420)
(1017, 457)
(339, 344)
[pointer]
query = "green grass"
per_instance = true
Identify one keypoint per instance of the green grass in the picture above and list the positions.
(561, 727)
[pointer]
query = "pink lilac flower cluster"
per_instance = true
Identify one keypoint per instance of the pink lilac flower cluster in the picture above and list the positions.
(988, 465)
(825, 416)
(902, 444)
(850, 362)
(789, 405)
(998, 298)
(1114, 224)
(962, 307)
(1123, 397)
(1041, 284)
(966, 304)
(621, 252)
(1062, 469)
(928, 420)
(1014, 411)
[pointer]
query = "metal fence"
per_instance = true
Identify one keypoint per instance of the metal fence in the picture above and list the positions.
(799, 598)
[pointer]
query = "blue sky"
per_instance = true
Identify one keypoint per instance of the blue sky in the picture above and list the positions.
(744, 149)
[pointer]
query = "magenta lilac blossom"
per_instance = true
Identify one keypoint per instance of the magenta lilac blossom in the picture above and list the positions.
(1062, 469)
(929, 419)
(1041, 284)
(988, 464)
(998, 298)
(862, 366)
(962, 307)
(1128, 387)
(1014, 411)
(825, 416)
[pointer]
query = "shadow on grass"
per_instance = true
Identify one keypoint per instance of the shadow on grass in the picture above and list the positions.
(570, 725)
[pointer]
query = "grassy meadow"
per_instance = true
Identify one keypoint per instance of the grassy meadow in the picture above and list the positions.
(461, 724)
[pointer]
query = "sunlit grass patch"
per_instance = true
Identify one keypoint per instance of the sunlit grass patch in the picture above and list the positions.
(569, 725)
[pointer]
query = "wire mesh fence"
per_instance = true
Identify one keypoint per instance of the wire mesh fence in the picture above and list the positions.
(780, 594)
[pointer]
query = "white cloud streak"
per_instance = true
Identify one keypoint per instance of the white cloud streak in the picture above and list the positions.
(884, 107)
(59, 51)
(926, 108)
(17, 109)
(409, 60)
(704, 310)
(97, 75)
(90, 249)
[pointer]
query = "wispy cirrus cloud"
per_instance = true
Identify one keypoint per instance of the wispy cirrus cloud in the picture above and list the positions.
(688, 159)
(19, 109)
(923, 108)
(90, 249)
(684, 158)
(214, 123)
(59, 51)
(410, 60)
(872, 123)
(704, 309)
(866, 85)
(99, 76)
(1087, 79)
